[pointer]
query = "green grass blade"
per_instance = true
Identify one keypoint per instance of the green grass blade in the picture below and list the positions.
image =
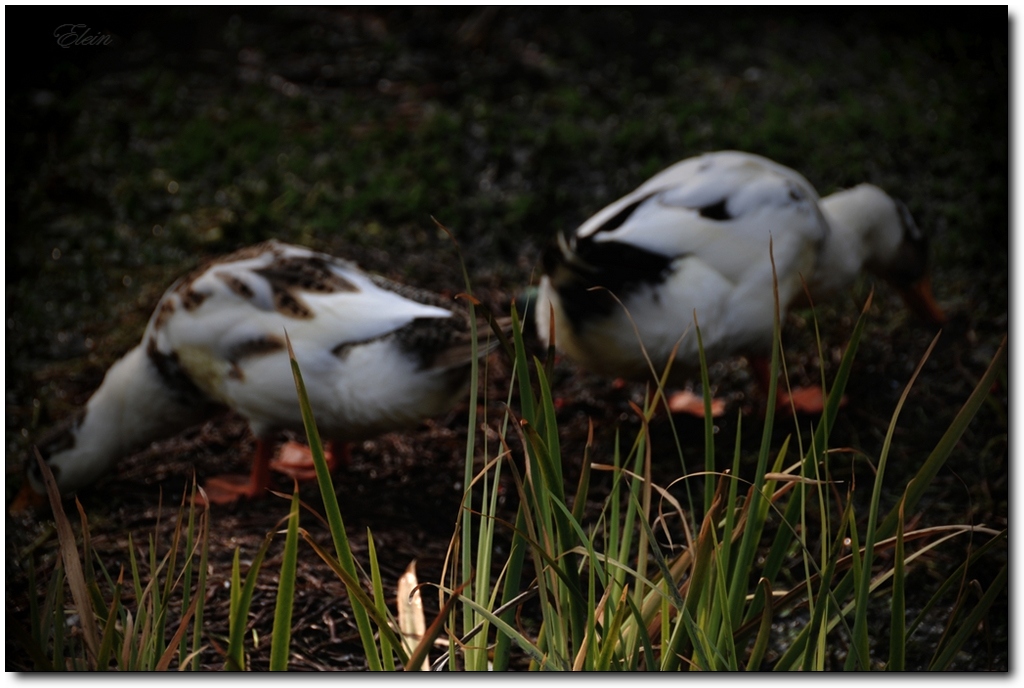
(380, 603)
(519, 639)
(948, 652)
(333, 514)
(109, 629)
(700, 577)
(650, 659)
(898, 605)
(57, 623)
(522, 368)
(241, 600)
(172, 649)
(197, 625)
(579, 500)
(764, 596)
(359, 597)
(751, 534)
(466, 549)
(235, 596)
(954, 578)
(516, 560)
(187, 571)
(709, 424)
(919, 484)
(610, 632)
(465, 513)
(825, 599)
(519, 547)
(860, 626)
(280, 645)
(72, 562)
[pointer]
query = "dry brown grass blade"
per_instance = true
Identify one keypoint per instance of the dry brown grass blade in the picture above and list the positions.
(172, 647)
(72, 562)
(411, 621)
(129, 633)
(581, 655)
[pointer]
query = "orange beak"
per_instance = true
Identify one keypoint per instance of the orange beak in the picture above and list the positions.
(919, 299)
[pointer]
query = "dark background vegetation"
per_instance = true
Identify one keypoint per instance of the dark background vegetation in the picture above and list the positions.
(201, 130)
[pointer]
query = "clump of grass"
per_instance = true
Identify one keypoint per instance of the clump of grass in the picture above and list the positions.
(374, 620)
(105, 631)
(612, 598)
(608, 594)
(242, 592)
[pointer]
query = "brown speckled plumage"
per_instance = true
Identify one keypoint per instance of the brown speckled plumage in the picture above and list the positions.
(261, 346)
(376, 356)
(236, 285)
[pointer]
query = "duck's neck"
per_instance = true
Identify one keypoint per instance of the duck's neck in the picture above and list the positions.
(865, 231)
(133, 406)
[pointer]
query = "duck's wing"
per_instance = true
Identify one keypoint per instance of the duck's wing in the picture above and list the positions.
(268, 288)
(720, 208)
(241, 306)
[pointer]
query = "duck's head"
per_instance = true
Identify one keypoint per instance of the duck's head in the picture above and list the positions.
(907, 269)
(905, 266)
(894, 247)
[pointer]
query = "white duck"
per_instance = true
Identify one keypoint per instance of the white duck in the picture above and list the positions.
(375, 356)
(695, 238)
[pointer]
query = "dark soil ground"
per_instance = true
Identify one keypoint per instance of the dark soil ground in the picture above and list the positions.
(199, 131)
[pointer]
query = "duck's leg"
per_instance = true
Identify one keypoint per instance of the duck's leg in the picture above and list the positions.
(295, 459)
(227, 489)
(800, 399)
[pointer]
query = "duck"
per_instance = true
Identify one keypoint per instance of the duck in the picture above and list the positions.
(693, 245)
(375, 356)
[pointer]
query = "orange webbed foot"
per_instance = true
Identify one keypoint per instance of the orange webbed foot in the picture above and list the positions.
(807, 400)
(686, 402)
(228, 489)
(295, 460)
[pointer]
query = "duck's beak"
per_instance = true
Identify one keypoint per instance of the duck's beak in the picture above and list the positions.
(27, 499)
(919, 299)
